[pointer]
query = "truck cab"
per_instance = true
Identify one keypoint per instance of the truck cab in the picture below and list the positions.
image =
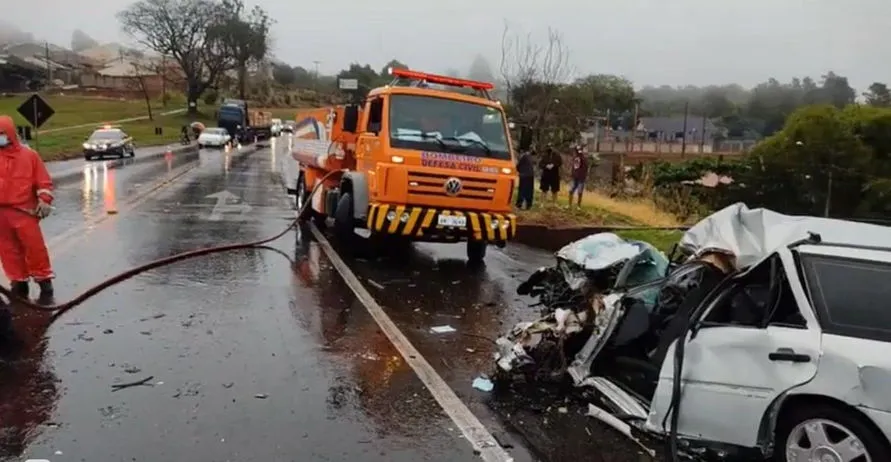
(429, 158)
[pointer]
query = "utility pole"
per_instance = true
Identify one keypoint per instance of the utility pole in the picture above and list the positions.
(316, 80)
(684, 138)
(49, 68)
(702, 137)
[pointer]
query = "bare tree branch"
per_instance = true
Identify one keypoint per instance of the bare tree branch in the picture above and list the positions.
(533, 74)
(181, 29)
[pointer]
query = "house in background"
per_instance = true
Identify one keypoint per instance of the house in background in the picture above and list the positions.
(656, 134)
(151, 74)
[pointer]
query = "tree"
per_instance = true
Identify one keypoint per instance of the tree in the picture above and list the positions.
(141, 70)
(80, 41)
(283, 74)
(186, 31)
(245, 37)
(878, 95)
(533, 75)
(480, 70)
(364, 74)
(392, 64)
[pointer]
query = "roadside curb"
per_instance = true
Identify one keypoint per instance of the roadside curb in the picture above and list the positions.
(66, 177)
(554, 238)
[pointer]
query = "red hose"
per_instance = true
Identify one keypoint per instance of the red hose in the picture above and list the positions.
(61, 308)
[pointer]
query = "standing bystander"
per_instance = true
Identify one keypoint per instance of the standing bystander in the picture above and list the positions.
(550, 173)
(526, 172)
(579, 175)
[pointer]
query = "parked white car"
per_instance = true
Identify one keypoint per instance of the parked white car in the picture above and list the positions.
(788, 356)
(216, 137)
(276, 127)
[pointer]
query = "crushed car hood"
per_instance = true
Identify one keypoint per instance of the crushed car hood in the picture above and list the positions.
(753, 234)
(598, 251)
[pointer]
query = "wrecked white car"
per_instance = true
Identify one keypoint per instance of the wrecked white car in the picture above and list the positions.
(770, 341)
(569, 293)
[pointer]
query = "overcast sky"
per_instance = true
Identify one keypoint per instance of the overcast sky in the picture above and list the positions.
(671, 42)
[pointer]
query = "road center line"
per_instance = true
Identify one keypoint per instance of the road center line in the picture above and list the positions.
(471, 427)
(61, 243)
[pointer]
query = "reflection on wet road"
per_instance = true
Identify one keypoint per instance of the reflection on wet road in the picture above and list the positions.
(261, 355)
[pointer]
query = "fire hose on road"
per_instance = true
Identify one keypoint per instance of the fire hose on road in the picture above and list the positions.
(61, 308)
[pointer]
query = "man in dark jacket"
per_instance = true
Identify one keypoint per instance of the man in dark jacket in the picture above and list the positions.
(550, 173)
(579, 175)
(526, 172)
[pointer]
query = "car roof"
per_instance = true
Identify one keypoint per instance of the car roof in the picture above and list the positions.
(877, 254)
(108, 130)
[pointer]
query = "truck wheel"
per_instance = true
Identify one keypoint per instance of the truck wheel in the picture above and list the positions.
(344, 223)
(476, 252)
(304, 197)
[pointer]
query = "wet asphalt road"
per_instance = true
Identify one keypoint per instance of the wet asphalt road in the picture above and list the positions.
(260, 355)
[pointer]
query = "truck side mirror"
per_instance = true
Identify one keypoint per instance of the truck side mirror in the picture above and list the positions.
(350, 118)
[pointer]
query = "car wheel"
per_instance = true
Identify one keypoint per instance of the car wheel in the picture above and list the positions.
(344, 223)
(476, 252)
(200, 146)
(826, 432)
(88, 157)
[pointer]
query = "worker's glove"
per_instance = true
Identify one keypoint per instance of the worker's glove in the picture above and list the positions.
(43, 209)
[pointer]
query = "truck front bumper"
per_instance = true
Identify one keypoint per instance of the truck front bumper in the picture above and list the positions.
(440, 225)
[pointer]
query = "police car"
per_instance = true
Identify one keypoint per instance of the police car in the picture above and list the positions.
(108, 141)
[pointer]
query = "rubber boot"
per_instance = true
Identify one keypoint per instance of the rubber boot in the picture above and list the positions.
(47, 295)
(20, 289)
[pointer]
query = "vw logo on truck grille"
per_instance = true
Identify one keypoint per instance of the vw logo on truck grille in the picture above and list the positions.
(452, 186)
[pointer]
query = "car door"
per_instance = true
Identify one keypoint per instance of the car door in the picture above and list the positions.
(737, 361)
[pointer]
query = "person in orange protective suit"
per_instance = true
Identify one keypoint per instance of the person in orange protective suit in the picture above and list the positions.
(26, 196)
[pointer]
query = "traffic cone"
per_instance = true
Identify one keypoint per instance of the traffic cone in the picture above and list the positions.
(108, 193)
(168, 157)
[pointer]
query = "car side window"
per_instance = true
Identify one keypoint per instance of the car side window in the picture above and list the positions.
(756, 299)
(850, 295)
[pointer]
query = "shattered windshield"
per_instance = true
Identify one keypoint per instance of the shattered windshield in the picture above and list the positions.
(430, 123)
(649, 265)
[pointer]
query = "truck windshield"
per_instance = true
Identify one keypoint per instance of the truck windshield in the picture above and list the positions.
(431, 123)
(233, 114)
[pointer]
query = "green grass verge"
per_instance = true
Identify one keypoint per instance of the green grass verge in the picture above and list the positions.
(559, 213)
(663, 240)
(68, 144)
(72, 111)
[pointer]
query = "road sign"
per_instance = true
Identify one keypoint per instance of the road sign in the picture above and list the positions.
(36, 110)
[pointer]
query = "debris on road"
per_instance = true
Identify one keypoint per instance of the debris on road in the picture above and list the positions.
(442, 329)
(376, 284)
(483, 384)
(121, 386)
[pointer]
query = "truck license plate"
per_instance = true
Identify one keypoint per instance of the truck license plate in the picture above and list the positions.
(452, 221)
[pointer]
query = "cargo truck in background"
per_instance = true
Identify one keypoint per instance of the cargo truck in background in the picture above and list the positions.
(243, 123)
(426, 158)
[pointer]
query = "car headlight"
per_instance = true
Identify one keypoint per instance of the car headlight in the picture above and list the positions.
(88, 146)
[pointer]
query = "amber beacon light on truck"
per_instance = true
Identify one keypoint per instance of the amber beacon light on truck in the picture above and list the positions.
(426, 158)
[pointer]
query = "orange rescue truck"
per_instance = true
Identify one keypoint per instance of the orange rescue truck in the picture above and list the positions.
(425, 158)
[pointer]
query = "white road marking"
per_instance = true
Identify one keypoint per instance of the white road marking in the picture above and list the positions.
(470, 426)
